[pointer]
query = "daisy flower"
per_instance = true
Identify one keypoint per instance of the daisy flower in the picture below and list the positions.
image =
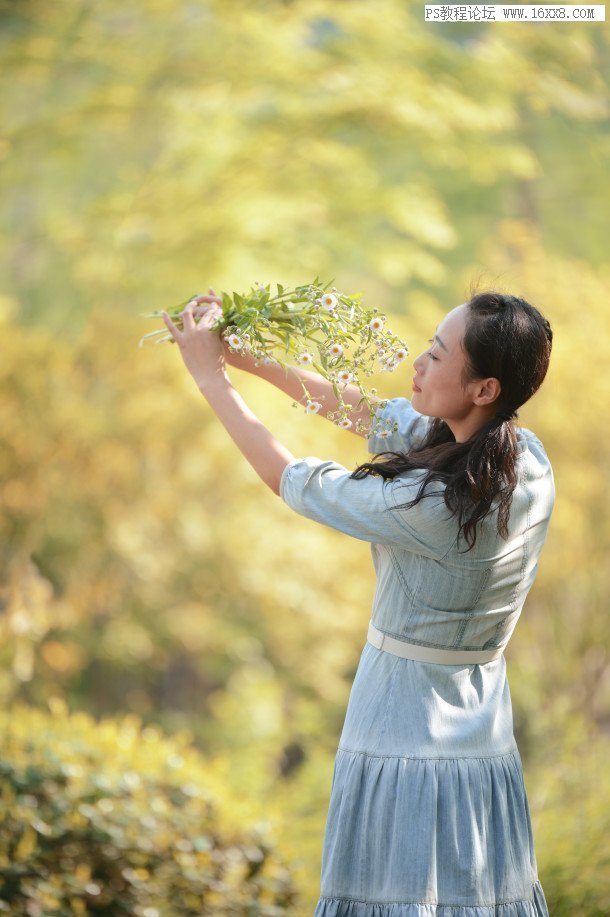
(376, 324)
(329, 301)
(312, 407)
(335, 349)
(235, 341)
(345, 423)
(305, 357)
(401, 354)
(344, 376)
(384, 434)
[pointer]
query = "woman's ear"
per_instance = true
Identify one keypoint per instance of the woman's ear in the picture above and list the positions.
(487, 391)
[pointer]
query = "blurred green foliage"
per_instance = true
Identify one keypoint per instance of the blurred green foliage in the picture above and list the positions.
(109, 818)
(281, 140)
(152, 150)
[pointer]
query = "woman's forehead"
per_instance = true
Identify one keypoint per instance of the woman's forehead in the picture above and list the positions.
(454, 321)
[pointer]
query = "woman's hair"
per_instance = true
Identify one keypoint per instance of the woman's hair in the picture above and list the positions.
(508, 339)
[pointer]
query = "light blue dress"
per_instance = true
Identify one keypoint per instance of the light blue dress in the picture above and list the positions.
(428, 814)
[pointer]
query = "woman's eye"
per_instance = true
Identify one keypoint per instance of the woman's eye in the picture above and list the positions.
(431, 355)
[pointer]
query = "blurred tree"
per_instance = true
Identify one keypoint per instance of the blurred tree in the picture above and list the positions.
(152, 150)
(195, 141)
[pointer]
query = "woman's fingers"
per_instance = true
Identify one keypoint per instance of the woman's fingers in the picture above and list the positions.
(188, 321)
(207, 307)
(207, 300)
(199, 306)
(171, 327)
(209, 297)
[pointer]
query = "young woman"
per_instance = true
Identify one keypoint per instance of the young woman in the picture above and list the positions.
(428, 812)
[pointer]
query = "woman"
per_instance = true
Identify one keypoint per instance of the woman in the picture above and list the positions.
(428, 812)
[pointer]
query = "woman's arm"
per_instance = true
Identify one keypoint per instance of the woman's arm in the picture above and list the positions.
(320, 389)
(203, 354)
(257, 444)
(287, 380)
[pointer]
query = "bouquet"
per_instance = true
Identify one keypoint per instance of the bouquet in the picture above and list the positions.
(328, 331)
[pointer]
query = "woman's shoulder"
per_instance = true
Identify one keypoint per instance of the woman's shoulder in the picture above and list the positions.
(410, 426)
(530, 450)
(536, 481)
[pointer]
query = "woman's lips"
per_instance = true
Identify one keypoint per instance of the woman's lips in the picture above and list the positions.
(416, 388)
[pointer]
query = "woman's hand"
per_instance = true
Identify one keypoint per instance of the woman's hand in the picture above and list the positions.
(201, 347)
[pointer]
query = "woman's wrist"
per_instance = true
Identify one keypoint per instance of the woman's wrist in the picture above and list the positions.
(240, 361)
(212, 381)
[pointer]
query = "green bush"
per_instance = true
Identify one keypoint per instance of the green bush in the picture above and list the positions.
(111, 818)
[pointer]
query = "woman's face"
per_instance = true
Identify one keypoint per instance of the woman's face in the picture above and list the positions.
(437, 386)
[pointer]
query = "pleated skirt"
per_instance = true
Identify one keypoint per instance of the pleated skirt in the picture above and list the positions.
(428, 815)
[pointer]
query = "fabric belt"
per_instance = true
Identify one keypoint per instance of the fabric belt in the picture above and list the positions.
(428, 653)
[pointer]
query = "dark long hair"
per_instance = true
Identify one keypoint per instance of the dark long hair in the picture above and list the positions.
(505, 338)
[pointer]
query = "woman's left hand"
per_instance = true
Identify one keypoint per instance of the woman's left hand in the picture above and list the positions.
(201, 347)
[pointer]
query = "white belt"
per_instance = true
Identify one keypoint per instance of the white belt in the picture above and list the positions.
(428, 653)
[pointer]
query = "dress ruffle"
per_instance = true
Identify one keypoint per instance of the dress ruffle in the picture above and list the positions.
(343, 907)
(415, 837)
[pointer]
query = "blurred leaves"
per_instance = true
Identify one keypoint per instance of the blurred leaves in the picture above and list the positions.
(150, 151)
(351, 134)
(109, 817)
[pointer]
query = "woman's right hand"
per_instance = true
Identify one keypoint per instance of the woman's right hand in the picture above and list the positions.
(210, 298)
(233, 358)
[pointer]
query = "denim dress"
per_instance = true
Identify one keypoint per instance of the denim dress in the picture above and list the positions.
(428, 812)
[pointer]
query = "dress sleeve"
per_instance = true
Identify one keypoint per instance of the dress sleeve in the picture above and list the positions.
(412, 427)
(361, 507)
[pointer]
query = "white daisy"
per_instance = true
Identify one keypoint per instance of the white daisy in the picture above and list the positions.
(376, 324)
(344, 376)
(335, 349)
(312, 407)
(401, 354)
(235, 341)
(384, 434)
(346, 423)
(305, 357)
(329, 301)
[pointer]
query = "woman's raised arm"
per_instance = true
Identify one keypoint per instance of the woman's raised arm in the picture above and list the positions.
(320, 389)
(287, 380)
(202, 350)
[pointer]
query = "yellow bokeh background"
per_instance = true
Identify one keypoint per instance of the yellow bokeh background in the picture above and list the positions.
(152, 150)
